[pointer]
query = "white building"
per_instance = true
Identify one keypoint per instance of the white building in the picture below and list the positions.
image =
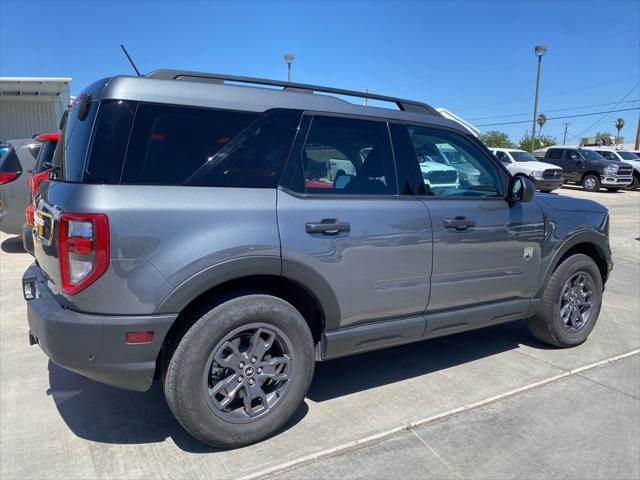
(31, 105)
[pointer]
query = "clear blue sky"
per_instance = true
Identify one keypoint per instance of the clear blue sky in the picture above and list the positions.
(474, 58)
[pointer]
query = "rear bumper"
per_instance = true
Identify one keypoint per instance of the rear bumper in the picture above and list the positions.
(27, 238)
(95, 345)
(547, 184)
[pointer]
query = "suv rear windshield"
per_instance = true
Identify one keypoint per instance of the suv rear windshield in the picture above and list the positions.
(45, 156)
(10, 163)
(157, 144)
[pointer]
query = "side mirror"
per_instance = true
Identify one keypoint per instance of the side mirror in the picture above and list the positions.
(520, 190)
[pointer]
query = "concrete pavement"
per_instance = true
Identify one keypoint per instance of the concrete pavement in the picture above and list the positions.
(56, 424)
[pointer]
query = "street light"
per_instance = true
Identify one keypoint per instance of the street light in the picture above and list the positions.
(288, 57)
(540, 51)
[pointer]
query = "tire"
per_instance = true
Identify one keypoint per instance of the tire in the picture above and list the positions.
(193, 371)
(612, 189)
(635, 183)
(591, 182)
(549, 326)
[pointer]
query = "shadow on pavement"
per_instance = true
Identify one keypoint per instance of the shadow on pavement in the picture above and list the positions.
(106, 414)
(12, 245)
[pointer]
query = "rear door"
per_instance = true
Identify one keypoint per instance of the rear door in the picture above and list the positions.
(342, 217)
(485, 250)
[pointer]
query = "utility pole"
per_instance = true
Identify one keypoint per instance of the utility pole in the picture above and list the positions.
(365, 102)
(540, 51)
(637, 147)
(564, 139)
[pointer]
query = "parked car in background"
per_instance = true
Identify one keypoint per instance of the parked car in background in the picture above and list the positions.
(545, 176)
(589, 169)
(626, 156)
(436, 173)
(190, 239)
(39, 173)
(14, 190)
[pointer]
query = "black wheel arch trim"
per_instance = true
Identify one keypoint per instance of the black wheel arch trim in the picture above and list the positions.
(593, 237)
(237, 268)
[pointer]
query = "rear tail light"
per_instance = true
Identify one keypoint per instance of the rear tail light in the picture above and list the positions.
(83, 245)
(29, 212)
(8, 177)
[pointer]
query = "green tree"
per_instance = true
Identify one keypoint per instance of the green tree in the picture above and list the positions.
(606, 137)
(619, 125)
(496, 139)
(542, 141)
(542, 119)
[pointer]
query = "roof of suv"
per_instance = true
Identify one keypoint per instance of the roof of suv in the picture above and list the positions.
(210, 90)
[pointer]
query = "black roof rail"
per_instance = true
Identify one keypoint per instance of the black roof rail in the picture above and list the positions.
(403, 104)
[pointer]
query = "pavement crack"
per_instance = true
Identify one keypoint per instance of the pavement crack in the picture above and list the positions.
(452, 468)
(609, 387)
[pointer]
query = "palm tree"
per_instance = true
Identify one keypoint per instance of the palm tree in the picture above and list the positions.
(619, 124)
(542, 119)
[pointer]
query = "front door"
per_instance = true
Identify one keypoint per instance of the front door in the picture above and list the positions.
(341, 217)
(485, 249)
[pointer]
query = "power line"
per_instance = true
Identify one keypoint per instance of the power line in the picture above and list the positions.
(607, 113)
(559, 118)
(554, 110)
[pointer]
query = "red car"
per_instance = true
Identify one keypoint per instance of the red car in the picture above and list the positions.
(39, 173)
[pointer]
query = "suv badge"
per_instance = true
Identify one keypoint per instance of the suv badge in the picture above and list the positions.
(528, 253)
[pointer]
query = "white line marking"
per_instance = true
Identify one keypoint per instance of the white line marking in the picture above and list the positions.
(329, 452)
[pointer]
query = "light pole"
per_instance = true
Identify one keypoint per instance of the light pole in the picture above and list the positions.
(540, 51)
(288, 57)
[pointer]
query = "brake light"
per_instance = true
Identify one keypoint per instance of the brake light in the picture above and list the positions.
(29, 212)
(83, 249)
(8, 177)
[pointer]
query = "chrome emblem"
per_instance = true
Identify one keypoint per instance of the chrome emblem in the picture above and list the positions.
(528, 253)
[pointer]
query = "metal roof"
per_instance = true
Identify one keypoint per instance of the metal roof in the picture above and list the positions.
(211, 91)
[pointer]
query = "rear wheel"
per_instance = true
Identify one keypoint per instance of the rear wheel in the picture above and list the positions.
(241, 371)
(570, 303)
(591, 182)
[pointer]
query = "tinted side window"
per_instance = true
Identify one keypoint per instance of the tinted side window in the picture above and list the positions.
(555, 154)
(348, 156)
(452, 166)
(570, 154)
(255, 157)
(503, 157)
(109, 144)
(168, 144)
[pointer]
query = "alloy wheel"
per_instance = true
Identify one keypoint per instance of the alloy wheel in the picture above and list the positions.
(575, 305)
(248, 373)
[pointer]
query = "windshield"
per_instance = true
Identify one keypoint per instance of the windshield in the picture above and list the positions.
(591, 155)
(46, 154)
(628, 155)
(520, 156)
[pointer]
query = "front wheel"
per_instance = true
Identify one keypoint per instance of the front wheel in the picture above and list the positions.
(634, 184)
(570, 303)
(591, 183)
(241, 371)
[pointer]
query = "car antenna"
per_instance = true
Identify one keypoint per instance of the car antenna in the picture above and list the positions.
(130, 60)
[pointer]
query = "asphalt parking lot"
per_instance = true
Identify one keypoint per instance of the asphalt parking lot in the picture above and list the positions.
(494, 403)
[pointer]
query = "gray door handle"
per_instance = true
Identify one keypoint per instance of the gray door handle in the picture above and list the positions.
(458, 223)
(328, 226)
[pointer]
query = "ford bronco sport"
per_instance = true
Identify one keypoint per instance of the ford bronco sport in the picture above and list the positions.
(194, 230)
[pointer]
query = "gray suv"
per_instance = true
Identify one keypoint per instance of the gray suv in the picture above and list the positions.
(197, 229)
